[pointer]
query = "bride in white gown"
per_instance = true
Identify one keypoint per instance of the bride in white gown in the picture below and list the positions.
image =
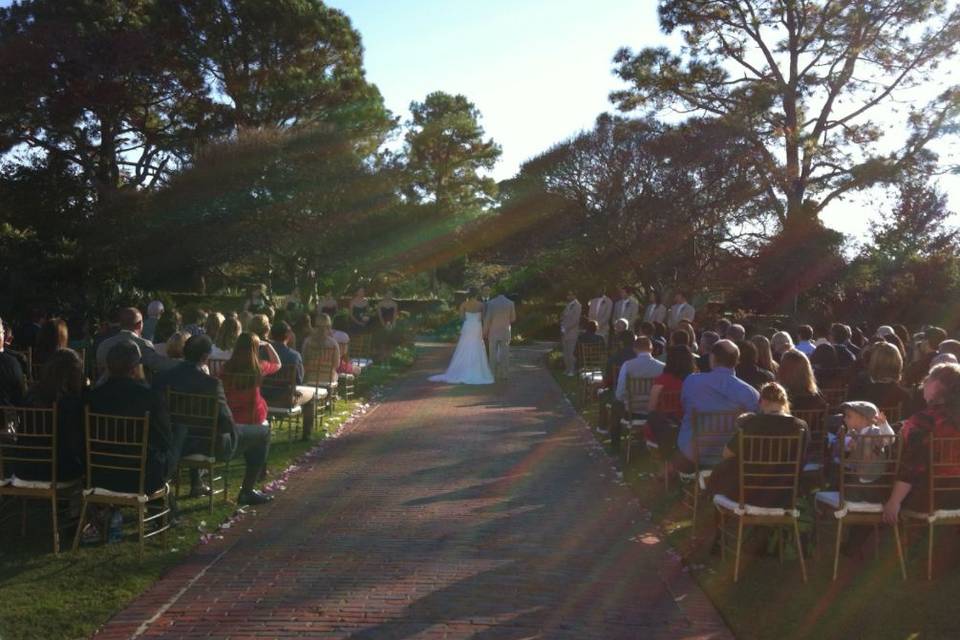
(469, 363)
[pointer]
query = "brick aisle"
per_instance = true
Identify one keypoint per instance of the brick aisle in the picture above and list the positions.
(448, 512)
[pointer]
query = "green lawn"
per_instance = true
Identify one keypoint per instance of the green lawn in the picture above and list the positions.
(868, 600)
(70, 596)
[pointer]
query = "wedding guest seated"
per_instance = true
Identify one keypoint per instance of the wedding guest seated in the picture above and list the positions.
(764, 354)
(225, 339)
(624, 351)
(323, 337)
(154, 312)
(736, 333)
(826, 366)
(747, 369)
(252, 440)
(642, 365)
(301, 330)
(664, 419)
(718, 390)
(281, 337)
(780, 343)
(680, 338)
(770, 418)
(928, 349)
(950, 346)
(619, 326)
(123, 394)
(805, 344)
(212, 326)
(723, 325)
(13, 381)
(881, 385)
(61, 383)
(796, 376)
(168, 325)
(840, 339)
(246, 403)
(707, 340)
(51, 337)
(193, 321)
(591, 335)
(131, 326)
(941, 392)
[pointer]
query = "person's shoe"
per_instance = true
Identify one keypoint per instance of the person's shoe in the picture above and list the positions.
(253, 497)
(200, 490)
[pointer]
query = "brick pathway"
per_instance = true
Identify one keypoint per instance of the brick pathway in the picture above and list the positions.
(448, 512)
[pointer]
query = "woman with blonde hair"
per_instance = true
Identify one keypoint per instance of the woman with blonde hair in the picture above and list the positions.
(795, 374)
(881, 385)
(212, 326)
(764, 353)
(780, 343)
(225, 339)
(175, 344)
(321, 338)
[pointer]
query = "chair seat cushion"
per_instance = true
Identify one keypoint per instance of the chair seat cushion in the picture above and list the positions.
(198, 457)
(700, 476)
(285, 411)
(939, 514)
(139, 497)
(20, 483)
(832, 500)
(728, 504)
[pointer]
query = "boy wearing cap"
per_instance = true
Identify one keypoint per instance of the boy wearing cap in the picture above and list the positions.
(864, 419)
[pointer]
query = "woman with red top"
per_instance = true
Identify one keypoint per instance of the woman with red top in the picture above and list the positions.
(667, 412)
(243, 391)
(941, 391)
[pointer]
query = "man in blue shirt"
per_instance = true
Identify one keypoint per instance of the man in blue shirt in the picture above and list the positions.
(718, 390)
(281, 337)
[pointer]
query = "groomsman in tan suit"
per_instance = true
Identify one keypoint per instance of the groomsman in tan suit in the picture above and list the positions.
(569, 332)
(498, 314)
(681, 310)
(600, 309)
(626, 307)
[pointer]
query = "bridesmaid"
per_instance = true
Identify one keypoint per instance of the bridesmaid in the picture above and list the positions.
(359, 310)
(387, 311)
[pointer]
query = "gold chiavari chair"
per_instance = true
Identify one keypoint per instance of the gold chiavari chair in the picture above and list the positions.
(666, 399)
(636, 406)
(283, 409)
(711, 431)
(33, 453)
(116, 460)
(867, 475)
(591, 360)
(769, 473)
(320, 372)
(199, 415)
(943, 499)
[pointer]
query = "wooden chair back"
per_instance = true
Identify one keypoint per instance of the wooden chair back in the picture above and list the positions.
(893, 413)
(769, 468)
(591, 356)
(361, 346)
(215, 366)
(33, 451)
(116, 450)
(320, 366)
(637, 399)
(835, 396)
(711, 432)
(280, 388)
(869, 469)
(198, 415)
(944, 473)
(816, 420)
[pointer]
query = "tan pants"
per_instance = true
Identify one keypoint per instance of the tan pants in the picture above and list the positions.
(499, 355)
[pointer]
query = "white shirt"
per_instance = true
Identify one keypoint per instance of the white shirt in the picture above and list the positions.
(655, 313)
(680, 312)
(600, 310)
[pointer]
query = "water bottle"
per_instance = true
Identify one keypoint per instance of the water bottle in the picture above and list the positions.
(115, 530)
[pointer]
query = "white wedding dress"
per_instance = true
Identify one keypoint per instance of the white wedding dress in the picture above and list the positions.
(469, 363)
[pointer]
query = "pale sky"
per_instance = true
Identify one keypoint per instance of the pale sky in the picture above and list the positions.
(538, 70)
